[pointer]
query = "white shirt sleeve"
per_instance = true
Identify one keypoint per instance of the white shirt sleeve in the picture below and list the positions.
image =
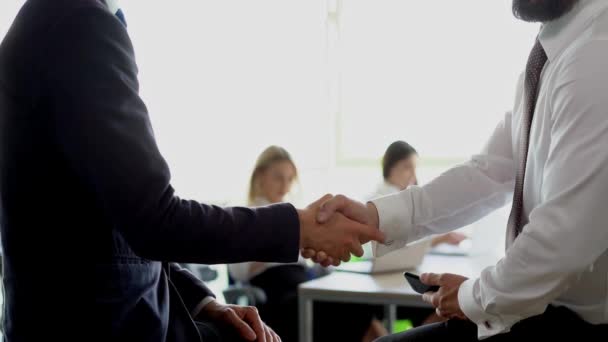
(567, 232)
(458, 197)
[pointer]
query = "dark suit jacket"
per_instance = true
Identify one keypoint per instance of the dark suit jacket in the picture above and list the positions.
(89, 218)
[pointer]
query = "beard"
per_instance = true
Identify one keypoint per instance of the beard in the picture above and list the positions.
(541, 10)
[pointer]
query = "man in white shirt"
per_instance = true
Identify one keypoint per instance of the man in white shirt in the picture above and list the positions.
(84, 187)
(553, 280)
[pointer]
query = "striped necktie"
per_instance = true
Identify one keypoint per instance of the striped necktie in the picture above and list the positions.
(534, 68)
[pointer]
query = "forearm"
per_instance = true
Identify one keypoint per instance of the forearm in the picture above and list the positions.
(460, 196)
(197, 233)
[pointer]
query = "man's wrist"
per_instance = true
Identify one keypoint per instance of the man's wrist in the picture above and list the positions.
(203, 305)
(372, 213)
(303, 228)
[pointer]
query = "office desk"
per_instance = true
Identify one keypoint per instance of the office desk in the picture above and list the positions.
(390, 290)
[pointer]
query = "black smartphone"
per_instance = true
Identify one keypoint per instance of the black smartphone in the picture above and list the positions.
(418, 285)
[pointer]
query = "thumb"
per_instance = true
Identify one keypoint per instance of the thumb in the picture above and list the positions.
(243, 328)
(319, 203)
(327, 209)
(369, 233)
(431, 279)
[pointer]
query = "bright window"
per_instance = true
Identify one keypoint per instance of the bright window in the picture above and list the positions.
(438, 74)
(333, 81)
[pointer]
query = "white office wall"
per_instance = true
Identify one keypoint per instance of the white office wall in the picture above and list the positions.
(332, 81)
(225, 79)
(8, 10)
(437, 73)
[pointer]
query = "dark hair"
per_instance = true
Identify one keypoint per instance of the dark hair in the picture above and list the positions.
(396, 152)
(543, 10)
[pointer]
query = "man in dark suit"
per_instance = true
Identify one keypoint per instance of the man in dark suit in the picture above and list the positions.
(90, 222)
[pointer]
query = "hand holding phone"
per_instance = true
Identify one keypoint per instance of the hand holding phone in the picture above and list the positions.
(418, 285)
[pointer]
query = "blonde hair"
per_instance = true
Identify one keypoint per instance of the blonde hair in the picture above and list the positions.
(269, 156)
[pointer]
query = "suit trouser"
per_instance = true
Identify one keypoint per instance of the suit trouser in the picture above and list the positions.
(556, 324)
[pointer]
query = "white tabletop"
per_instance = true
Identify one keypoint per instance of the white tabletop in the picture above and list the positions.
(389, 290)
(391, 287)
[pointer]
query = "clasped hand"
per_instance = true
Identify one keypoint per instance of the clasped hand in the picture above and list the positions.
(333, 228)
(445, 301)
(245, 320)
(363, 218)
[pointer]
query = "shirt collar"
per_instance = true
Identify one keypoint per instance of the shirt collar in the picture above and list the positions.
(112, 6)
(556, 35)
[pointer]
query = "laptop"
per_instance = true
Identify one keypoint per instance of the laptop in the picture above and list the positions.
(406, 258)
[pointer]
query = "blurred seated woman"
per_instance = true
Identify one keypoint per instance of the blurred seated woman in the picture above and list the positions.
(399, 171)
(271, 180)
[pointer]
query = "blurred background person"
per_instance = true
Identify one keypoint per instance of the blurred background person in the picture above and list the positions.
(271, 181)
(399, 171)
(398, 168)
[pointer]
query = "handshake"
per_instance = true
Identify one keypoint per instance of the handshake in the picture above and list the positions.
(334, 227)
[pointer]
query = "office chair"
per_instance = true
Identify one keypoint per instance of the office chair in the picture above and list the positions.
(203, 272)
(239, 293)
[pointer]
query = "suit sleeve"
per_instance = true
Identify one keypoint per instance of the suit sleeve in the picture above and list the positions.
(102, 129)
(191, 289)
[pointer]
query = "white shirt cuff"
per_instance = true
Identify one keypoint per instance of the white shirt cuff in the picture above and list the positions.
(487, 325)
(202, 305)
(393, 215)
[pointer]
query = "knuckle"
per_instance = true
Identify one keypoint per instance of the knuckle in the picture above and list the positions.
(351, 244)
(435, 301)
(442, 277)
(341, 199)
